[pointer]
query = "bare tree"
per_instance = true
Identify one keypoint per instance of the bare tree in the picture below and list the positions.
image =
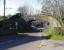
(23, 11)
(55, 8)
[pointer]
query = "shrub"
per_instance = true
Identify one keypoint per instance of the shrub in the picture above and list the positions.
(56, 33)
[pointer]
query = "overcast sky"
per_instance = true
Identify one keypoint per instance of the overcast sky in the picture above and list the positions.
(15, 4)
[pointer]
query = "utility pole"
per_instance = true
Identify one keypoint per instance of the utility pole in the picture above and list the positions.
(4, 7)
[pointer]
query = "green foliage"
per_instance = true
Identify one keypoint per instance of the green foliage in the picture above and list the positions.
(54, 36)
(51, 31)
(57, 37)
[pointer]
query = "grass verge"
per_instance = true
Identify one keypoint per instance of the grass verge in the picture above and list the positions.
(52, 34)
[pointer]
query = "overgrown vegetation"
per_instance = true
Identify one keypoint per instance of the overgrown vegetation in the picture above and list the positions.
(56, 9)
(53, 33)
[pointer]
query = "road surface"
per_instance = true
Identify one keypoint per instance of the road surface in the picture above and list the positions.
(19, 42)
(31, 41)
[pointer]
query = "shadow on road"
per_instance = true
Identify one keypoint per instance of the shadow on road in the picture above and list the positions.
(16, 40)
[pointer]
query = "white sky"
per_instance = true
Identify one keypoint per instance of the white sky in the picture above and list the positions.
(15, 4)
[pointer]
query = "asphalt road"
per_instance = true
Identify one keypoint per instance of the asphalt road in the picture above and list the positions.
(30, 41)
